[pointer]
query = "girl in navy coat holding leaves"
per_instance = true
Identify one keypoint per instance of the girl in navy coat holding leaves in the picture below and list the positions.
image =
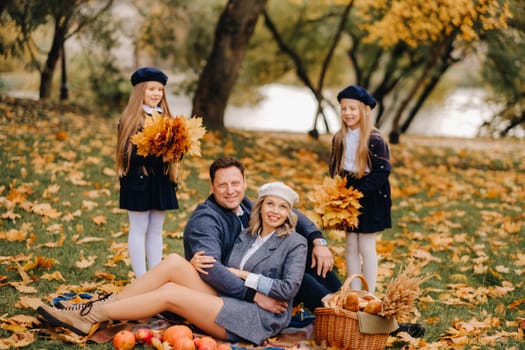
(360, 154)
(146, 189)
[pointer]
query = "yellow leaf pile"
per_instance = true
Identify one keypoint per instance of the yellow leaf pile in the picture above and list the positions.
(335, 206)
(170, 137)
(401, 293)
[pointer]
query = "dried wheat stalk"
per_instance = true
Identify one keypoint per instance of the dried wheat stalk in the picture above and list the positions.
(402, 292)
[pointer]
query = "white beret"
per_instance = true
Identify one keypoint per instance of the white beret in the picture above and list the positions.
(279, 189)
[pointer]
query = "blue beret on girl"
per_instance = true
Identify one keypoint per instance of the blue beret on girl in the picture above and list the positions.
(148, 74)
(356, 92)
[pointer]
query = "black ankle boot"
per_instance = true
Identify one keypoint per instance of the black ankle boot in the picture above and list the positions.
(415, 330)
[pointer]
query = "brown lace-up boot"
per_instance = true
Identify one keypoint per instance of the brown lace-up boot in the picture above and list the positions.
(78, 319)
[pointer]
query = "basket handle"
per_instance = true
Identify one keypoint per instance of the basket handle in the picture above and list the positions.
(346, 286)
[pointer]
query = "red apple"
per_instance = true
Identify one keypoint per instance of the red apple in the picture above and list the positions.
(143, 335)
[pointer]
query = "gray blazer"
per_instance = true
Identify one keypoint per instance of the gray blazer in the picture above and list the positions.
(282, 259)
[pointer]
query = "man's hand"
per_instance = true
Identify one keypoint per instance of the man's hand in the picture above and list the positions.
(323, 259)
(201, 262)
(270, 304)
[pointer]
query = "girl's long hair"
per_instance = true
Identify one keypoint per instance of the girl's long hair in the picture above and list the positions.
(362, 157)
(255, 225)
(130, 122)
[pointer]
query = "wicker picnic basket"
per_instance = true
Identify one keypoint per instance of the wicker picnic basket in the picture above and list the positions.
(340, 327)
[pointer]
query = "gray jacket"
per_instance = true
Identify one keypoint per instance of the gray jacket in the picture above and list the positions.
(281, 260)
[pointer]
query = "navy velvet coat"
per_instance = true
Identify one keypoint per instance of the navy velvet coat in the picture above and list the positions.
(376, 201)
(147, 186)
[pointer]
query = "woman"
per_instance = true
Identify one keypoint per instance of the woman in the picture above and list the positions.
(268, 257)
(146, 189)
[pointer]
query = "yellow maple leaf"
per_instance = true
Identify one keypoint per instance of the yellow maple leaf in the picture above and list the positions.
(99, 220)
(18, 340)
(195, 133)
(13, 235)
(23, 288)
(105, 275)
(27, 302)
(85, 262)
(55, 276)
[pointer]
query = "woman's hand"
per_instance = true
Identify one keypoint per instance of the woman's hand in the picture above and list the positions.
(201, 262)
(239, 273)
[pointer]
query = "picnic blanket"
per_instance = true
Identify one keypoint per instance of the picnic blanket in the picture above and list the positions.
(290, 337)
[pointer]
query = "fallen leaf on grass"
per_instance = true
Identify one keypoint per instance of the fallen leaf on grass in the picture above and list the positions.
(13, 235)
(55, 276)
(23, 288)
(29, 303)
(89, 240)
(85, 262)
(105, 275)
(17, 340)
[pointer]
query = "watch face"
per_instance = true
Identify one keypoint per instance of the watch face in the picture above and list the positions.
(321, 241)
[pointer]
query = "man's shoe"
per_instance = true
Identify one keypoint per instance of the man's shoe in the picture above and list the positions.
(79, 319)
(301, 319)
(415, 330)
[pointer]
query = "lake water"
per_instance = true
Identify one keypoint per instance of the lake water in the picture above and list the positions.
(292, 109)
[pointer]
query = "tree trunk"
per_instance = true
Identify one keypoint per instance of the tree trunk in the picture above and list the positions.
(234, 30)
(445, 62)
(395, 134)
(46, 76)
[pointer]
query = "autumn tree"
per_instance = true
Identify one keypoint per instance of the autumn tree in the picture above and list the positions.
(427, 38)
(303, 70)
(504, 70)
(65, 18)
(399, 50)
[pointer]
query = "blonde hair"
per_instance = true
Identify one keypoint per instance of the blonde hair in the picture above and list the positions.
(362, 157)
(130, 122)
(255, 225)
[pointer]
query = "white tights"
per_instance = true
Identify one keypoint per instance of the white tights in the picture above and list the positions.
(145, 239)
(362, 246)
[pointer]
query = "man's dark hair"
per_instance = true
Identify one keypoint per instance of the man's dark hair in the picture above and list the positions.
(225, 162)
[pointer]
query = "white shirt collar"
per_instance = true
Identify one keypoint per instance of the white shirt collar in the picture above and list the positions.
(149, 110)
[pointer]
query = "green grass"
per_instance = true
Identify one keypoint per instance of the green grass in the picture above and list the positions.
(458, 212)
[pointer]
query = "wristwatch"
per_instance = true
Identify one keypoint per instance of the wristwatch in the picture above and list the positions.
(320, 241)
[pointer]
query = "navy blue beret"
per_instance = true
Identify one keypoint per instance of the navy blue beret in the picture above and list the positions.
(148, 74)
(356, 92)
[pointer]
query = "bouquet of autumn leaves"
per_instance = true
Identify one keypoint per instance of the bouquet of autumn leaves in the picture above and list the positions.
(335, 206)
(171, 138)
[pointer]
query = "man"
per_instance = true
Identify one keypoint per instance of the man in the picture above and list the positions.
(216, 223)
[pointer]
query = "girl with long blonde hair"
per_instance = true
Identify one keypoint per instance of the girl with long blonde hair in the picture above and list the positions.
(146, 189)
(362, 156)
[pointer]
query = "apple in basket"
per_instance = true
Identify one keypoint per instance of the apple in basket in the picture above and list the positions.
(373, 307)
